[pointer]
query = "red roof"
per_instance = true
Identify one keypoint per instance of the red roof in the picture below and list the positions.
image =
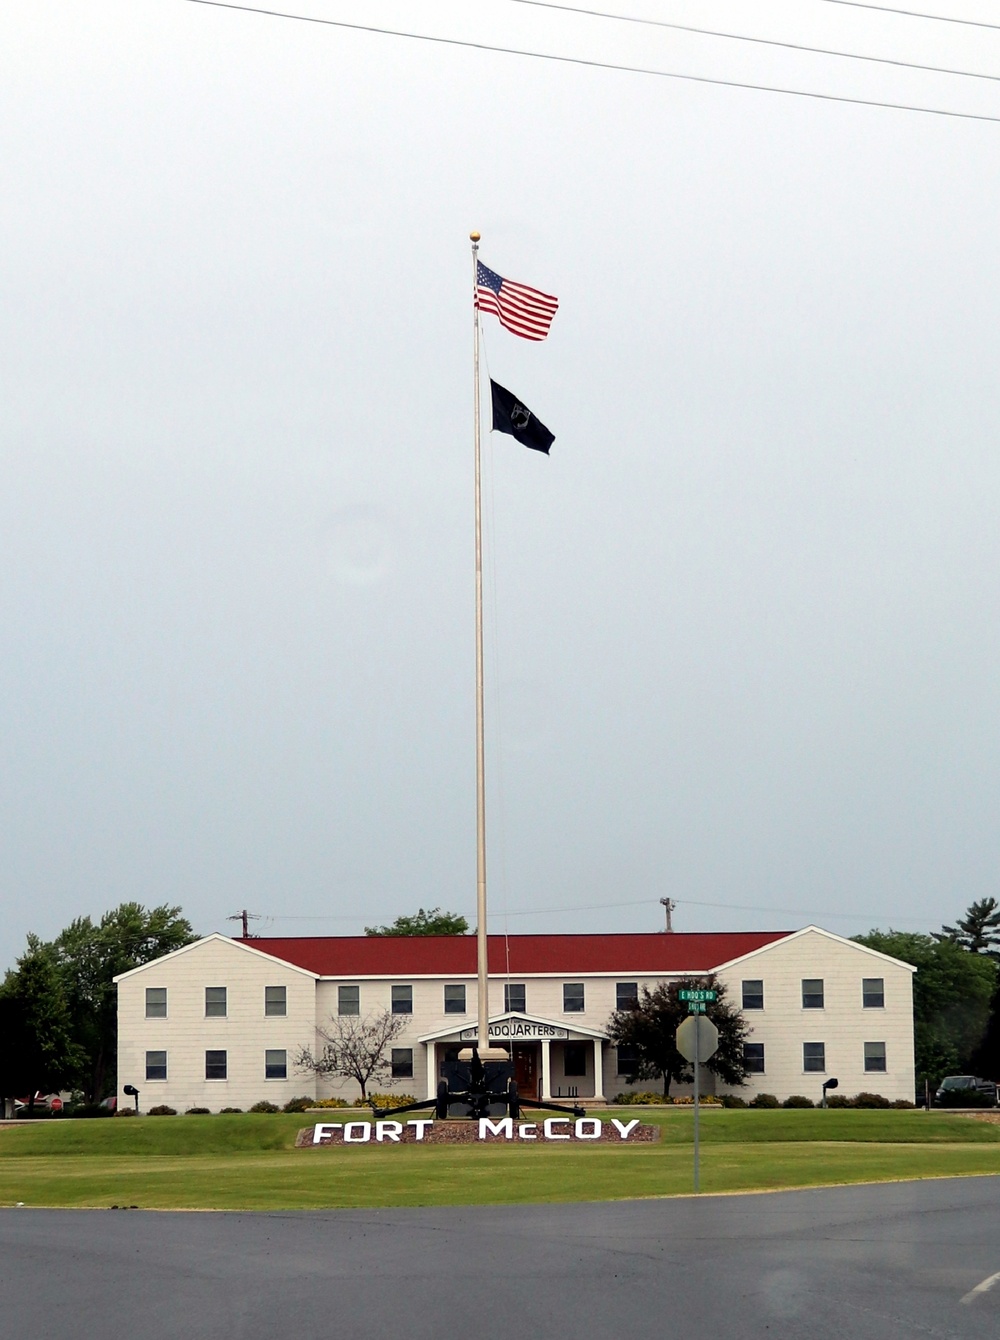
(455, 955)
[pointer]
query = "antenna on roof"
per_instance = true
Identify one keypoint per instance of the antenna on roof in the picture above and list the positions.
(246, 917)
(668, 905)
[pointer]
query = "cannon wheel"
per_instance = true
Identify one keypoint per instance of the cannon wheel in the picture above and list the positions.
(441, 1106)
(513, 1099)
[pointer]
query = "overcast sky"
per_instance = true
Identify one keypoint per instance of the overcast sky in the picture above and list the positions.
(742, 641)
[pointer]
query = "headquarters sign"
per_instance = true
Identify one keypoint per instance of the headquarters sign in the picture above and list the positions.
(488, 1130)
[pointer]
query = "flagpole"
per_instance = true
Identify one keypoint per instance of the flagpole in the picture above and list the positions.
(482, 944)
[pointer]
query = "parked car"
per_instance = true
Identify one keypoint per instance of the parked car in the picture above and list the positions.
(953, 1088)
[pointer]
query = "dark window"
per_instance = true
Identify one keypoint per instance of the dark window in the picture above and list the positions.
(215, 1002)
(514, 998)
(628, 1061)
(753, 1058)
(402, 1062)
(156, 1002)
(449, 1056)
(454, 999)
(873, 993)
(875, 1057)
(402, 1000)
(215, 1065)
(812, 993)
(575, 1059)
(626, 995)
(572, 997)
(156, 1065)
(814, 1057)
(275, 1000)
(348, 1000)
(275, 1065)
(753, 994)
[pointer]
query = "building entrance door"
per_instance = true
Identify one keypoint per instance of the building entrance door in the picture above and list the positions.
(526, 1069)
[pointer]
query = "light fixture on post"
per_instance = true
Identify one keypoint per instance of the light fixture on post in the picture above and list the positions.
(131, 1091)
(829, 1084)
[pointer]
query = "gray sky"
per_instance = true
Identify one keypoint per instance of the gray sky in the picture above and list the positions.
(742, 639)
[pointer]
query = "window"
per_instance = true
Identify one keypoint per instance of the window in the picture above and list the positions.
(449, 1056)
(275, 1064)
(156, 1003)
(575, 1059)
(348, 1000)
(454, 999)
(514, 998)
(812, 993)
(572, 997)
(215, 1065)
(873, 993)
(875, 1058)
(275, 1000)
(156, 1065)
(402, 1000)
(814, 1057)
(753, 994)
(628, 1061)
(753, 1058)
(626, 995)
(402, 1062)
(215, 1002)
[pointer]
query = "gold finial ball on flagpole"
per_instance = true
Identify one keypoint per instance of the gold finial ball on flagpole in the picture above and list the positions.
(473, 237)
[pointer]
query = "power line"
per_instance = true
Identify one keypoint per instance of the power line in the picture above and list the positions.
(760, 41)
(600, 65)
(913, 14)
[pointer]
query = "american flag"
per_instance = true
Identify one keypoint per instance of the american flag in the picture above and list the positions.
(522, 310)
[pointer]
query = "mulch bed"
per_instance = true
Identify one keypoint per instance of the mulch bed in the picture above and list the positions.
(467, 1133)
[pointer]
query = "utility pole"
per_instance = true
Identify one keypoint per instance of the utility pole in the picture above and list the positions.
(668, 905)
(245, 917)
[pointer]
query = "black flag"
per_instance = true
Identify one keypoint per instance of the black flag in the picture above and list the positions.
(510, 416)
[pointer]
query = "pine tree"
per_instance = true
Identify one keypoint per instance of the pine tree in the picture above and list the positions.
(978, 931)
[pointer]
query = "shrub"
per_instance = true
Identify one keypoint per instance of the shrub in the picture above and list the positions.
(297, 1104)
(869, 1100)
(162, 1110)
(386, 1100)
(732, 1100)
(126, 1112)
(764, 1100)
(626, 1099)
(901, 1103)
(197, 1112)
(264, 1106)
(798, 1100)
(839, 1100)
(330, 1102)
(230, 1109)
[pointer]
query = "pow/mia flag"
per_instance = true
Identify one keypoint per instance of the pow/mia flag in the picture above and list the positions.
(510, 416)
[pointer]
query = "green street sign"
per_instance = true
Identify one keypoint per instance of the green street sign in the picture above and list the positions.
(696, 1007)
(699, 994)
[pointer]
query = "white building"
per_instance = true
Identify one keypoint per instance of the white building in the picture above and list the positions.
(219, 1023)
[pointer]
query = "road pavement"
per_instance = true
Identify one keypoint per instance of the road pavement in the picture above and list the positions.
(910, 1259)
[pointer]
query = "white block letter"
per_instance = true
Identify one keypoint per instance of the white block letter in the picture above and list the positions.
(549, 1123)
(322, 1129)
(524, 1128)
(388, 1130)
(421, 1126)
(596, 1127)
(625, 1128)
(504, 1127)
(365, 1127)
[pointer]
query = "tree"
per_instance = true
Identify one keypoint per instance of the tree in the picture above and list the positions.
(649, 1033)
(89, 957)
(431, 922)
(978, 931)
(39, 1053)
(952, 989)
(353, 1047)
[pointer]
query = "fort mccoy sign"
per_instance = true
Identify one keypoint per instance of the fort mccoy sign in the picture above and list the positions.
(489, 1130)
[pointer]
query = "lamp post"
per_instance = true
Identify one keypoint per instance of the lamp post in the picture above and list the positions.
(131, 1091)
(827, 1084)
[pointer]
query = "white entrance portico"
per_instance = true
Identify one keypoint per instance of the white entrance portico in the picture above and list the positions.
(559, 1047)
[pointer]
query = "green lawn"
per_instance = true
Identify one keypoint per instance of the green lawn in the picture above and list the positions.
(248, 1162)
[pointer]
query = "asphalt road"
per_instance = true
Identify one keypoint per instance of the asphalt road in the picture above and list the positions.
(873, 1262)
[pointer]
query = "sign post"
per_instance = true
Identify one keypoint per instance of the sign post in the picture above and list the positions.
(697, 1041)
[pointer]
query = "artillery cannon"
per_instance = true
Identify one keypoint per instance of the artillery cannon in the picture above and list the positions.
(473, 1089)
